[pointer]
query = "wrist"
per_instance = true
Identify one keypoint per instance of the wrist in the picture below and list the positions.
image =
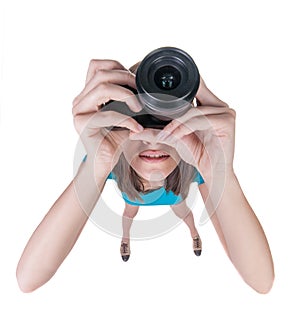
(218, 174)
(92, 172)
(218, 184)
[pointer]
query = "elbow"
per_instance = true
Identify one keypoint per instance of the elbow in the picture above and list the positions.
(259, 274)
(31, 276)
(26, 281)
(264, 284)
(264, 288)
(24, 286)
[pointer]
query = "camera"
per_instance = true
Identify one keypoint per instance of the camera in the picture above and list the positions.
(167, 81)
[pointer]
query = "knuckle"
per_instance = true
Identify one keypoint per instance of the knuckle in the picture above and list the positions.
(173, 123)
(76, 124)
(97, 65)
(232, 112)
(101, 75)
(130, 75)
(116, 63)
(74, 111)
(93, 63)
(195, 112)
(99, 72)
(179, 130)
(230, 118)
(170, 125)
(75, 101)
(130, 121)
(103, 115)
(103, 87)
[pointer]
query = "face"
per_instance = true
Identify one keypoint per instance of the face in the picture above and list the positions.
(151, 160)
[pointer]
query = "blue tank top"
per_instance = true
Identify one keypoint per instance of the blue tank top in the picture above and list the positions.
(156, 197)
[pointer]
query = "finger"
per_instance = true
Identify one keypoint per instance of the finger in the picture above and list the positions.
(81, 121)
(109, 119)
(120, 77)
(191, 114)
(103, 93)
(96, 65)
(195, 124)
(183, 146)
(200, 124)
(207, 98)
(184, 129)
(134, 68)
(147, 135)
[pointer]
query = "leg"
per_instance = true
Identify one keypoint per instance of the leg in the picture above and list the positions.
(129, 213)
(182, 211)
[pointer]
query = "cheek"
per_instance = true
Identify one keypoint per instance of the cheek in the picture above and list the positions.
(130, 151)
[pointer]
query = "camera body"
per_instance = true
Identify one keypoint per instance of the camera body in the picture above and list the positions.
(167, 81)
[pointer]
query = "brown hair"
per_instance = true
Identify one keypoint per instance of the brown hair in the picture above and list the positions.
(131, 183)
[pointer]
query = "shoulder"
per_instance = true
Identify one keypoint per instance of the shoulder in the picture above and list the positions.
(111, 176)
(198, 178)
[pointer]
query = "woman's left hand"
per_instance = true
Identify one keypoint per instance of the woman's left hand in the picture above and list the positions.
(204, 136)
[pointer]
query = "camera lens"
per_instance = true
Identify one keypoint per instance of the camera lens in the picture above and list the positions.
(167, 78)
(167, 81)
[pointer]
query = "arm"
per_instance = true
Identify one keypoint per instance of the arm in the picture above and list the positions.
(204, 137)
(57, 233)
(59, 230)
(240, 233)
(212, 215)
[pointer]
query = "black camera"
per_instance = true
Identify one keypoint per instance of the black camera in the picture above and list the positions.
(167, 81)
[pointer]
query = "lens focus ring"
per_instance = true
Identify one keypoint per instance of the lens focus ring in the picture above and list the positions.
(167, 81)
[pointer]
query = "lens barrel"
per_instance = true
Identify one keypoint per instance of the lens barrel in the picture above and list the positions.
(167, 81)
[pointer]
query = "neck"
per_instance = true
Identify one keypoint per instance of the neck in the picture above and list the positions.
(150, 185)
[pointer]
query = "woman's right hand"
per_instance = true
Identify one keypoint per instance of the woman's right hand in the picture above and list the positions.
(103, 83)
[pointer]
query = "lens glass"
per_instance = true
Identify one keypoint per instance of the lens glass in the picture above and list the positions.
(167, 78)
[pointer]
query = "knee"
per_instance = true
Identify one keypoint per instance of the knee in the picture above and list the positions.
(175, 211)
(181, 212)
(130, 211)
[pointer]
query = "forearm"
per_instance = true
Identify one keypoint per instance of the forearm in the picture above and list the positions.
(57, 233)
(245, 240)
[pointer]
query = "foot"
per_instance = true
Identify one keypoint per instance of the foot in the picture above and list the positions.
(197, 245)
(125, 251)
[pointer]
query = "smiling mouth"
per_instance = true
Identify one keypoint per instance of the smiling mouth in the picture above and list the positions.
(154, 156)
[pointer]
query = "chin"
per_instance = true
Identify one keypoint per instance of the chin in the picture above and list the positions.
(147, 166)
(146, 173)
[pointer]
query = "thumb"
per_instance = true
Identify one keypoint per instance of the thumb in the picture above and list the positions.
(207, 98)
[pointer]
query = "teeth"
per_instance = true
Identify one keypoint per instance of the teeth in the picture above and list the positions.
(154, 156)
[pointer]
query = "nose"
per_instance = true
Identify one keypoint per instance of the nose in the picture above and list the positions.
(147, 136)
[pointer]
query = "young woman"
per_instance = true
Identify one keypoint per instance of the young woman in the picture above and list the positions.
(203, 138)
(145, 156)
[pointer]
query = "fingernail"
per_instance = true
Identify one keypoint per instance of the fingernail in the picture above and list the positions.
(140, 128)
(132, 134)
(136, 106)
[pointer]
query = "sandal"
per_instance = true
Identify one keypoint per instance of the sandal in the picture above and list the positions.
(125, 251)
(197, 245)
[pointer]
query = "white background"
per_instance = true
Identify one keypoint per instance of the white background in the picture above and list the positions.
(248, 54)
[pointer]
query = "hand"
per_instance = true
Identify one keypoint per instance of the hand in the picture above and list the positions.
(102, 85)
(204, 136)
